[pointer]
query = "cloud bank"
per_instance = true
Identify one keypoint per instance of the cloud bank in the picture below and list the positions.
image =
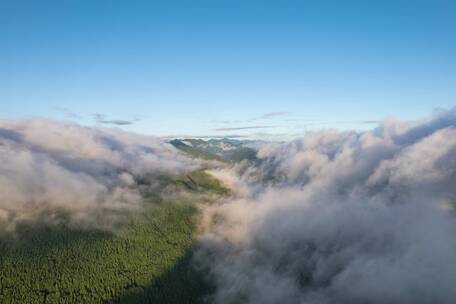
(52, 171)
(340, 217)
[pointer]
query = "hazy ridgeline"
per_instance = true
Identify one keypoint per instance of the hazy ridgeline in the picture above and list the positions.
(340, 217)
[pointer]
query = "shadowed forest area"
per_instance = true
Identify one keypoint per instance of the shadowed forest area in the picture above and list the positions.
(148, 261)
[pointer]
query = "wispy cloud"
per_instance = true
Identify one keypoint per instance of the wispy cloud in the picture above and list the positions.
(271, 135)
(337, 122)
(66, 112)
(226, 121)
(187, 136)
(117, 122)
(263, 116)
(273, 114)
(244, 128)
(370, 121)
(103, 119)
(99, 116)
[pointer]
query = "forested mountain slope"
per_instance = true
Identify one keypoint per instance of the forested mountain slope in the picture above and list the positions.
(145, 261)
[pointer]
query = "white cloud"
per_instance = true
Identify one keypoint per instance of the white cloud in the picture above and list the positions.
(51, 171)
(340, 217)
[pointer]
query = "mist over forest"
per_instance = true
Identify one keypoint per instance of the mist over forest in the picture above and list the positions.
(331, 217)
(227, 152)
(340, 217)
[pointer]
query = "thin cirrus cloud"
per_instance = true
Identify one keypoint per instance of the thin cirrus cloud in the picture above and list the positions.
(103, 119)
(210, 136)
(244, 128)
(273, 114)
(117, 122)
(335, 122)
(97, 117)
(261, 117)
(66, 112)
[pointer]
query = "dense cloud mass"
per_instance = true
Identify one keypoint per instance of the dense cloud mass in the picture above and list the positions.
(52, 171)
(340, 217)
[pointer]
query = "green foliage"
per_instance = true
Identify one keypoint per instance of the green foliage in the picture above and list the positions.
(146, 262)
(201, 181)
(199, 153)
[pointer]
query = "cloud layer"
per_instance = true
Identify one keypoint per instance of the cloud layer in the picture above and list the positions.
(52, 171)
(340, 217)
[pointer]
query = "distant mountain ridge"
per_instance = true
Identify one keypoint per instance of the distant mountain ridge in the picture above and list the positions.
(225, 149)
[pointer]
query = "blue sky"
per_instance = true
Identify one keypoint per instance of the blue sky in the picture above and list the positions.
(211, 67)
